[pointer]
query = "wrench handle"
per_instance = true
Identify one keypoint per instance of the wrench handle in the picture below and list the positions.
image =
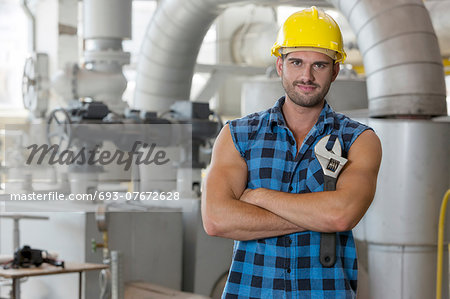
(327, 253)
(329, 183)
(328, 249)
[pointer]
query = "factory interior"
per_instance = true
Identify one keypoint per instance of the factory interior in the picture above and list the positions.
(160, 78)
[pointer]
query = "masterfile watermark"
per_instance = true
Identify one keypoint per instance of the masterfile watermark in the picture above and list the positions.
(140, 153)
(97, 195)
(74, 167)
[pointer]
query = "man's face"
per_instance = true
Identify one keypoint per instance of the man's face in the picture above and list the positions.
(306, 76)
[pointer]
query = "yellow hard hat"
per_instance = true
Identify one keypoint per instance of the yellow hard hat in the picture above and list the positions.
(310, 28)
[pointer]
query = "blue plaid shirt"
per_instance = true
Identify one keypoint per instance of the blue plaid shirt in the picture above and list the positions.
(288, 266)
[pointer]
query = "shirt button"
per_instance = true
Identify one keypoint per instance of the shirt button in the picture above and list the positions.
(288, 270)
(289, 241)
(290, 188)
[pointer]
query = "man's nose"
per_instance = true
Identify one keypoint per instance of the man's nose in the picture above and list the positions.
(306, 74)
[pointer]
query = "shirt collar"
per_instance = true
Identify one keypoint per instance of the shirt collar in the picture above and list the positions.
(326, 116)
(276, 117)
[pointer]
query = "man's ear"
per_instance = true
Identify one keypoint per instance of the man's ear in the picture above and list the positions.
(279, 66)
(336, 68)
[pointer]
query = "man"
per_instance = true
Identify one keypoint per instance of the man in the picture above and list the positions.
(265, 185)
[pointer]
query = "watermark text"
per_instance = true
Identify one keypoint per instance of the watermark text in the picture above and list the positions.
(94, 156)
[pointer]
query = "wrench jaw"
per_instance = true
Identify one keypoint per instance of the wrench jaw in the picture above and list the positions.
(331, 164)
(331, 161)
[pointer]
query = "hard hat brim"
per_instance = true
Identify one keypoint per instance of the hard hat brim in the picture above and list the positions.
(330, 53)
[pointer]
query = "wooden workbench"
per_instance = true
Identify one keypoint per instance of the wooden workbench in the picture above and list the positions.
(46, 269)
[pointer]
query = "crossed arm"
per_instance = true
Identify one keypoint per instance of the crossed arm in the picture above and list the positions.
(230, 210)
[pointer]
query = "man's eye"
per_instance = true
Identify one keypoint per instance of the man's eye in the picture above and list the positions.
(296, 62)
(319, 65)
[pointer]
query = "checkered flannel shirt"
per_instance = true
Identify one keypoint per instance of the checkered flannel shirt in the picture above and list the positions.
(288, 266)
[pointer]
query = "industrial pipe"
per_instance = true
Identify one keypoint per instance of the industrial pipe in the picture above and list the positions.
(396, 38)
(32, 19)
(74, 82)
(169, 51)
(106, 24)
(439, 11)
(401, 55)
(441, 245)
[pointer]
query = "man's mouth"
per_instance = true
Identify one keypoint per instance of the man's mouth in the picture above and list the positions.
(306, 87)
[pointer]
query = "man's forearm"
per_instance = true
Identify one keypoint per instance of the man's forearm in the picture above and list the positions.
(318, 211)
(238, 220)
(311, 210)
(225, 215)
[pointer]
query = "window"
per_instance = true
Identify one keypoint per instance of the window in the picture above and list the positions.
(13, 52)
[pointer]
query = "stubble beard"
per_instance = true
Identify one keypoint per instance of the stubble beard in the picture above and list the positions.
(304, 100)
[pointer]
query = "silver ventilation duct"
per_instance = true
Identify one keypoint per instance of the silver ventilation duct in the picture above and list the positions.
(169, 51)
(400, 49)
(401, 56)
(439, 11)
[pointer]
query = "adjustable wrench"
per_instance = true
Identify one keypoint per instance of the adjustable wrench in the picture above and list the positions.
(329, 152)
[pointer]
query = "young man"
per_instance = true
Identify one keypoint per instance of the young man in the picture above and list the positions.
(265, 186)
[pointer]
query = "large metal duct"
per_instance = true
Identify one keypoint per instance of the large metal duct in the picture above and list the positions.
(169, 51)
(401, 56)
(439, 11)
(397, 40)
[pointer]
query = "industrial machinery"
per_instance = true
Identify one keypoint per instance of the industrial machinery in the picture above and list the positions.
(96, 118)
(397, 238)
(401, 53)
(27, 257)
(35, 83)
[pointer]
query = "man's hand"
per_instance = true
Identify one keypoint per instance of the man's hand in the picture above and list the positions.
(247, 196)
(251, 196)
